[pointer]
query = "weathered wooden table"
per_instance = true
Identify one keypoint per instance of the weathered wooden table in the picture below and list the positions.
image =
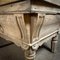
(30, 25)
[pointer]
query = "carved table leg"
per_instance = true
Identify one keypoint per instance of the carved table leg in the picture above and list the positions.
(54, 43)
(30, 54)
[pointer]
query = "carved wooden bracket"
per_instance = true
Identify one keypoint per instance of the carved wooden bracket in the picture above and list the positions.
(29, 26)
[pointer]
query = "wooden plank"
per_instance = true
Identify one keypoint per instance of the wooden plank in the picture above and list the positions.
(44, 9)
(9, 27)
(51, 23)
(15, 7)
(4, 2)
(57, 2)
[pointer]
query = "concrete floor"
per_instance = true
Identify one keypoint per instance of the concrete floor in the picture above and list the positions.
(9, 51)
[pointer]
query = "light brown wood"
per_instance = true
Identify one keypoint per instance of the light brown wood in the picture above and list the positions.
(19, 7)
(6, 1)
(29, 26)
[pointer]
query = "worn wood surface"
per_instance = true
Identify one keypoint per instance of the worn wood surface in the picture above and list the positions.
(29, 26)
(57, 2)
(16, 7)
(9, 27)
(51, 23)
(3, 2)
(27, 30)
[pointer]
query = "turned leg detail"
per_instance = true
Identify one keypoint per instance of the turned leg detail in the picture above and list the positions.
(54, 43)
(30, 54)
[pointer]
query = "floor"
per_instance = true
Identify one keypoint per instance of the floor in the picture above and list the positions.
(9, 51)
